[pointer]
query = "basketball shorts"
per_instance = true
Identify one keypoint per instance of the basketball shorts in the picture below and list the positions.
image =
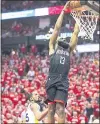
(57, 89)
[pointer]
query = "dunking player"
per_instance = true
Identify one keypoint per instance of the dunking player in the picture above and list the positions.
(57, 84)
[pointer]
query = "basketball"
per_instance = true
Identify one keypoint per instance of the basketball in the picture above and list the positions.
(74, 4)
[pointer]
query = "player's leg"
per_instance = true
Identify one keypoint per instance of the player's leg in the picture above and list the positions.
(60, 99)
(51, 104)
(51, 112)
(60, 110)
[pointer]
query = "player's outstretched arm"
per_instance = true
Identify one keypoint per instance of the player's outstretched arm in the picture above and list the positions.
(56, 29)
(74, 38)
(39, 115)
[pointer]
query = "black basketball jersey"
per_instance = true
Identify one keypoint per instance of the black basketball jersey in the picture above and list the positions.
(60, 62)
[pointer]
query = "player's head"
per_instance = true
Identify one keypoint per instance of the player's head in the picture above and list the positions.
(34, 96)
(64, 43)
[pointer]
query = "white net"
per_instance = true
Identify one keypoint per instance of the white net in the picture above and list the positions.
(87, 22)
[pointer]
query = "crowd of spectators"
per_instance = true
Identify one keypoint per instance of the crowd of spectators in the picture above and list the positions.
(9, 6)
(23, 71)
(22, 28)
(17, 29)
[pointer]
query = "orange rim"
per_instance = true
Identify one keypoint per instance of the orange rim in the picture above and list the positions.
(85, 8)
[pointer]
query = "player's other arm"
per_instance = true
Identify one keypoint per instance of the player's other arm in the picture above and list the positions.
(56, 30)
(39, 115)
(74, 38)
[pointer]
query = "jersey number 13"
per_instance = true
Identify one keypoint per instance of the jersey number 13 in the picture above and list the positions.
(62, 60)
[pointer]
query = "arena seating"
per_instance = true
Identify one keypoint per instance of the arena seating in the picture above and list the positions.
(18, 29)
(8, 6)
(83, 90)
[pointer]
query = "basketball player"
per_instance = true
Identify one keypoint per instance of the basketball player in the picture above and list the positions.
(57, 84)
(33, 113)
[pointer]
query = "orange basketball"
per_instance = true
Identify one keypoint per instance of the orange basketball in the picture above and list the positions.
(75, 4)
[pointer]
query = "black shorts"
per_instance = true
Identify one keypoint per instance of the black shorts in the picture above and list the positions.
(57, 89)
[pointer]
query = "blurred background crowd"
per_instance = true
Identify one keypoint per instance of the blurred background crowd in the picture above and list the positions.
(8, 6)
(35, 26)
(25, 66)
(28, 71)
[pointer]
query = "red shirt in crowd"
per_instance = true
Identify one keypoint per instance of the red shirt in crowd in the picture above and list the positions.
(33, 49)
(82, 117)
(74, 120)
(20, 71)
(23, 49)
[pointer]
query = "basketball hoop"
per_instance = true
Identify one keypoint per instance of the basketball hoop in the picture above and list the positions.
(87, 23)
(86, 20)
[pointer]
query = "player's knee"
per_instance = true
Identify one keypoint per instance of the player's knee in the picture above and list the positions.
(60, 110)
(51, 109)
